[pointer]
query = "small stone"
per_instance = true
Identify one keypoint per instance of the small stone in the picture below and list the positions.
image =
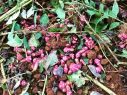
(80, 92)
(18, 91)
(84, 68)
(112, 86)
(49, 91)
(91, 54)
(63, 78)
(47, 48)
(104, 62)
(41, 84)
(108, 77)
(59, 93)
(96, 48)
(37, 76)
(35, 90)
(69, 62)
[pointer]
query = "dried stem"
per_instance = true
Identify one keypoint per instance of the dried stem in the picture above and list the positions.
(44, 85)
(3, 74)
(110, 92)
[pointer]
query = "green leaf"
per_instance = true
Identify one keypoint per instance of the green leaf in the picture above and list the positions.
(25, 42)
(86, 60)
(80, 45)
(114, 25)
(115, 10)
(124, 54)
(61, 4)
(87, 2)
(35, 18)
(92, 3)
(1, 10)
(60, 13)
(17, 27)
(91, 12)
(38, 35)
(77, 78)
(73, 30)
(44, 20)
(51, 60)
(18, 40)
(14, 41)
(55, 29)
(33, 41)
(105, 38)
(4, 86)
(101, 9)
(41, 67)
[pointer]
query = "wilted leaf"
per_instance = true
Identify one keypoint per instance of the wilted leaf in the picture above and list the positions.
(114, 25)
(95, 93)
(33, 41)
(26, 93)
(93, 71)
(58, 71)
(13, 17)
(16, 85)
(44, 20)
(30, 12)
(26, 14)
(51, 60)
(77, 78)
(60, 13)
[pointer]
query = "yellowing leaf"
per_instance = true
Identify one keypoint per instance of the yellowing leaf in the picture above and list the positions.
(51, 60)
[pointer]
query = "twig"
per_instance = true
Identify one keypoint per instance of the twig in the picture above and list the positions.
(106, 56)
(110, 92)
(122, 63)
(44, 85)
(3, 73)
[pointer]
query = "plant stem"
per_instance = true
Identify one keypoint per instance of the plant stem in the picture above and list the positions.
(44, 85)
(106, 56)
(110, 92)
(15, 9)
(3, 74)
